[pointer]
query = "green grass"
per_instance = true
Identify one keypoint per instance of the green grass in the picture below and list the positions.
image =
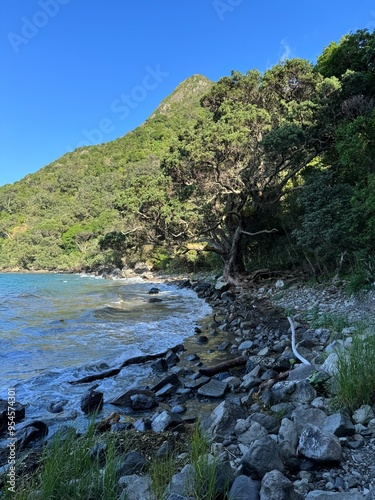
(68, 471)
(356, 373)
(206, 468)
(67, 468)
(161, 471)
(333, 322)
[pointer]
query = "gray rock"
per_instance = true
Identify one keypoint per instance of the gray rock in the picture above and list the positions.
(330, 364)
(306, 415)
(272, 424)
(264, 455)
(196, 384)
(202, 339)
(125, 398)
(221, 285)
(319, 446)
(179, 409)
(319, 336)
(275, 486)
(244, 488)
(302, 487)
(160, 365)
(363, 415)
(136, 488)
(131, 463)
(142, 402)
(182, 483)
(247, 344)
(170, 379)
(330, 495)
(165, 450)
(288, 440)
(213, 389)
(165, 391)
(301, 372)
(371, 494)
(143, 425)
(249, 381)
(92, 402)
(254, 432)
(171, 358)
(165, 420)
(299, 391)
(221, 422)
(30, 434)
(339, 424)
(304, 392)
(282, 391)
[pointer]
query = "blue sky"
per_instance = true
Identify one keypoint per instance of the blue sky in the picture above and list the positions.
(80, 72)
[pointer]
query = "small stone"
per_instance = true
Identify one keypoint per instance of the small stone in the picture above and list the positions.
(247, 344)
(363, 415)
(202, 339)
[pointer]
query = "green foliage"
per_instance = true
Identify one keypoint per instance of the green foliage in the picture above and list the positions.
(356, 373)
(353, 52)
(327, 217)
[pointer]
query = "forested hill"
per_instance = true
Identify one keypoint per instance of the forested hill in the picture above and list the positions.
(260, 170)
(55, 218)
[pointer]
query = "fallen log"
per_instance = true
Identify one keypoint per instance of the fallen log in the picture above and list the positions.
(137, 360)
(222, 367)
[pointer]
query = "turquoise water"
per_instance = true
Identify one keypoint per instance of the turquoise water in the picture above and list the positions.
(55, 328)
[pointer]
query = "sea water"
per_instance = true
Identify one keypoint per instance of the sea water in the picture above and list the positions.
(57, 328)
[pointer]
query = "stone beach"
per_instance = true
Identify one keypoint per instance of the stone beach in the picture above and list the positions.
(269, 418)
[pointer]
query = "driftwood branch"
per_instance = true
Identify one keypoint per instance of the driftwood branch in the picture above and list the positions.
(221, 367)
(131, 361)
(294, 349)
(274, 230)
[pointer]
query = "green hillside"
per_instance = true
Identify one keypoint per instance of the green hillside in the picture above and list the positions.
(55, 218)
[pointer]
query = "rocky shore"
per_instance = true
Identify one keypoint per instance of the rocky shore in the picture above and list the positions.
(270, 419)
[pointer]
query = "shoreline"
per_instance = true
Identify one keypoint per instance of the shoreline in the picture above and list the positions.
(248, 320)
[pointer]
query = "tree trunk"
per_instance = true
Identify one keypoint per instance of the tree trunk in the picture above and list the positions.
(233, 261)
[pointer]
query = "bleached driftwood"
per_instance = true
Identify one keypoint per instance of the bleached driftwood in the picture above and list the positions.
(294, 349)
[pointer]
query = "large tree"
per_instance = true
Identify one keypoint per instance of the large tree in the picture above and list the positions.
(260, 131)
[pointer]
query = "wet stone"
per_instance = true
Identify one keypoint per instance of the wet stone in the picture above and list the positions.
(213, 389)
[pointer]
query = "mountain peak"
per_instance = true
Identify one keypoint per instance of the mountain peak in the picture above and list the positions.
(188, 91)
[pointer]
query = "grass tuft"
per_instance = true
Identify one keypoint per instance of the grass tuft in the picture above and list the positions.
(356, 373)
